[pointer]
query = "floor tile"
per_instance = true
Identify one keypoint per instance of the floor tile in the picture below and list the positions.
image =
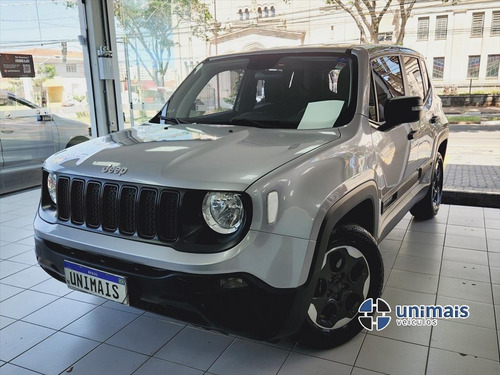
(14, 234)
(145, 335)
(388, 259)
(493, 245)
(421, 250)
(465, 289)
(59, 313)
(7, 291)
(100, 324)
(496, 294)
(155, 366)
(424, 238)
(19, 337)
(463, 338)
(299, 364)
(493, 234)
(465, 271)
(85, 297)
(9, 369)
(494, 259)
(480, 314)
(52, 286)
(427, 227)
(417, 264)
(458, 230)
(346, 353)
(362, 371)
(376, 351)
(56, 353)
(121, 307)
(390, 246)
(497, 315)
(195, 348)
(396, 234)
(495, 275)
(27, 257)
(25, 303)
(463, 242)
(466, 221)
(12, 249)
(27, 278)
(491, 213)
(4, 321)
(246, 357)
(109, 360)
(20, 222)
(458, 210)
(418, 282)
(492, 223)
(30, 241)
(8, 268)
(446, 362)
(465, 256)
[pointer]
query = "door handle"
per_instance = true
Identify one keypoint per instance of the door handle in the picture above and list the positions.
(6, 131)
(433, 119)
(411, 135)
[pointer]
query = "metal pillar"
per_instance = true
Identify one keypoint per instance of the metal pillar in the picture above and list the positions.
(98, 39)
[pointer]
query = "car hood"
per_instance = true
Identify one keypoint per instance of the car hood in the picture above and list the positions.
(189, 156)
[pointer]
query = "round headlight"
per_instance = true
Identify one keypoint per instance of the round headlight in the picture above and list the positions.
(223, 212)
(52, 187)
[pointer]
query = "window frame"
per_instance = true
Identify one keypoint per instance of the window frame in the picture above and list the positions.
(421, 35)
(469, 76)
(495, 23)
(440, 32)
(477, 31)
(492, 60)
(434, 67)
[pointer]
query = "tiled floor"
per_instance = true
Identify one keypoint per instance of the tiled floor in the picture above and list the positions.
(452, 259)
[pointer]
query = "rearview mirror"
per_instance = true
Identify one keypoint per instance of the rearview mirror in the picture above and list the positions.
(402, 109)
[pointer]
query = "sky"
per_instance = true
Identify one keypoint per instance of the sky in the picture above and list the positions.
(19, 27)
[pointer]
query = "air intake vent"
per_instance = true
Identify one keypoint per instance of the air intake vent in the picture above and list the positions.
(63, 201)
(127, 210)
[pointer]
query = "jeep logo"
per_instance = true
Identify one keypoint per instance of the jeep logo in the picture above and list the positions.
(117, 170)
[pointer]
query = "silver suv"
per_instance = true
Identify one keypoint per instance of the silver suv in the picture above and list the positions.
(254, 201)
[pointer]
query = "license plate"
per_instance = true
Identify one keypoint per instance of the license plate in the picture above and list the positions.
(96, 282)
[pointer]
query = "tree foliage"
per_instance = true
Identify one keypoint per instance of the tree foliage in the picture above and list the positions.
(152, 23)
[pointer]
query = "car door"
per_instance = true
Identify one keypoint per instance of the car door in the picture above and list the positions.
(27, 140)
(397, 154)
(415, 86)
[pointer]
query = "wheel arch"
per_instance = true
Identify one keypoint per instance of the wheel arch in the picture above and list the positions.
(76, 140)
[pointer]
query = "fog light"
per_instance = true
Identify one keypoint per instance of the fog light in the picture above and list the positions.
(232, 283)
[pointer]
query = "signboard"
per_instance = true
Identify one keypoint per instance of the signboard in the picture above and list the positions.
(16, 66)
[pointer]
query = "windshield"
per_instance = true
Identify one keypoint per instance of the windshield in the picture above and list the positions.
(291, 91)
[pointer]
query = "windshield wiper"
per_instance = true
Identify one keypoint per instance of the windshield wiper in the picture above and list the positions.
(175, 120)
(247, 122)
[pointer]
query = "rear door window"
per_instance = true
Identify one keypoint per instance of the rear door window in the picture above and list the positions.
(415, 84)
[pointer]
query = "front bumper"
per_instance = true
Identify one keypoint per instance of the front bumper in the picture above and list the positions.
(256, 310)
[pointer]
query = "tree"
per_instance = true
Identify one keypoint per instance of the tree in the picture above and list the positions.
(152, 23)
(43, 73)
(368, 15)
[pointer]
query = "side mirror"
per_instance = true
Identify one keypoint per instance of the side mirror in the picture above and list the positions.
(402, 109)
(44, 117)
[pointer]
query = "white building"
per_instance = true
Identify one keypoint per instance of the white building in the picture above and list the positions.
(460, 42)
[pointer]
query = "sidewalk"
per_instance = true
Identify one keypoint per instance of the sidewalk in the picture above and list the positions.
(472, 163)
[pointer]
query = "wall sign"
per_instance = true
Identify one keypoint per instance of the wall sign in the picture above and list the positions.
(16, 66)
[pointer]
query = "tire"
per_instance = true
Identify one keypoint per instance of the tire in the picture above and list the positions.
(352, 271)
(428, 207)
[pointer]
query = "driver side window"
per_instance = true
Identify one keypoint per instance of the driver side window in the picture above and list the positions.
(387, 83)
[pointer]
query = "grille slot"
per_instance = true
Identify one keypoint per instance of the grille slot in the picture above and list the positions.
(167, 223)
(123, 210)
(127, 210)
(93, 204)
(77, 205)
(109, 208)
(147, 214)
(63, 202)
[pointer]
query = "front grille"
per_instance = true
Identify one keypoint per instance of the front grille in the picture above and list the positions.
(121, 209)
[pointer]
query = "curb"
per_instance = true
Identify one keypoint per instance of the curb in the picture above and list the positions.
(471, 198)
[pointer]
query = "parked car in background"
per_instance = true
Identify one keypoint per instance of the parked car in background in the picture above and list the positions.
(254, 201)
(28, 135)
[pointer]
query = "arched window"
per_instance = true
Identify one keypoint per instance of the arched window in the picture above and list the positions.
(240, 13)
(273, 11)
(259, 12)
(266, 12)
(247, 14)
